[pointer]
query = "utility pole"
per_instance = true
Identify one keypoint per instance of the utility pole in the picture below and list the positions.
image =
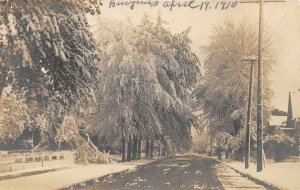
(260, 102)
(259, 130)
(247, 151)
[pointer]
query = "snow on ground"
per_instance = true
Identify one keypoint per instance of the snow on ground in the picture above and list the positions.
(19, 168)
(231, 180)
(68, 177)
(24, 171)
(284, 175)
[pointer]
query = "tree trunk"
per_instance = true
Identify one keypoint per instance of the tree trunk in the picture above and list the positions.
(147, 148)
(51, 140)
(151, 148)
(139, 149)
(211, 146)
(59, 145)
(53, 143)
(219, 153)
(129, 149)
(91, 143)
(158, 150)
(134, 151)
(164, 151)
(32, 145)
(37, 146)
(219, 156)
(227, 154)
(123, 148)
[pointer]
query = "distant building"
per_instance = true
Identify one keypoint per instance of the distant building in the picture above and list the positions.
(290, 125)
(290, 122)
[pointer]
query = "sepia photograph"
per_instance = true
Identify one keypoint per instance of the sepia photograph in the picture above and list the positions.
(149, 94)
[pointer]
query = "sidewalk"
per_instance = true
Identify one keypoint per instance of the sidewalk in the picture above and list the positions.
(67, 177)
(283, 175)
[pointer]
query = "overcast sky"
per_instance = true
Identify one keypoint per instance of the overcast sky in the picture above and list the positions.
(282, 20)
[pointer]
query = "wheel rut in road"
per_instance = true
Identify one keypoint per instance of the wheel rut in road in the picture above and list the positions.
(183, 172)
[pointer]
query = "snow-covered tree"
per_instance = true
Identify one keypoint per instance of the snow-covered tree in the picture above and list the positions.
(49, 53)
(49, 49)
(47, 124)
(13, 115)
(68, 130)
(146, 76)
(223, 94)
(277, 142)
(177, 71)
(73, 131)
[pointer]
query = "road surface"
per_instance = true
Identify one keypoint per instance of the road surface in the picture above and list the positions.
(182, 172)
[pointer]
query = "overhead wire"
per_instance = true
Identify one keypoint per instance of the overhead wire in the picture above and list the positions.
(271, 14)
(291, 65)
(274, 35)
(278, 28)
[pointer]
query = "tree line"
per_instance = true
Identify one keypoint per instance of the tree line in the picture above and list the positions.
(222, 95)
(121, 84)
(120, 87)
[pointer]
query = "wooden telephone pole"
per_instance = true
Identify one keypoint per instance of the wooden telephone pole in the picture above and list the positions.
(259, 130)
(248, 129)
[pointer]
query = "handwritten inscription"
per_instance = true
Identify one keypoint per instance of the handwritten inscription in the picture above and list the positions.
(172, 4)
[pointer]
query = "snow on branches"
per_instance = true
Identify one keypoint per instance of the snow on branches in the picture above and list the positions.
(89, 6)
(145, 83)
(13, 115)
(50, 48)
(223, 94)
